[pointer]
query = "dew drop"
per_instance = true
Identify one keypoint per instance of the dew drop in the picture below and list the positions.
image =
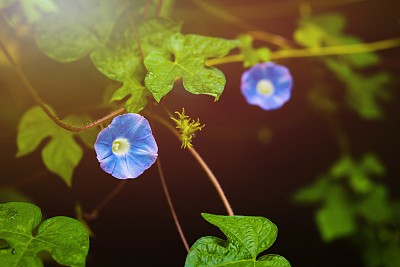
(13, 251)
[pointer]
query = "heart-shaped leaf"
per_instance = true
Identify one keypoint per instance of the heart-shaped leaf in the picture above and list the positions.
(247, 236)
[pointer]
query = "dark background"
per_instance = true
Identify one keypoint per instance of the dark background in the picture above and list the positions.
(259, 176)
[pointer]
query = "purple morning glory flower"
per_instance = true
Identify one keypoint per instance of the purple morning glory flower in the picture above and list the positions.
(126, 148)
(267, 85)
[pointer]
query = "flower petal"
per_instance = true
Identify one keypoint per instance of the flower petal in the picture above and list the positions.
(280, 78)
(142, 148)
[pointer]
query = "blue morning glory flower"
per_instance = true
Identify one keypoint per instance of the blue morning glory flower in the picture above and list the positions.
(126, 148)
(267, 85)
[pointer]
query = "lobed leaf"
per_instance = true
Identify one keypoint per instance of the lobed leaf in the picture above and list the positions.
(61, 154)
(63, 237)
(247, 237)
(121, 60)
(190, 53)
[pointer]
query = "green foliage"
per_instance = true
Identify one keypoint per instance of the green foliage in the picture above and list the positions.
(62, 153)
(121, 59)
(358, 173)
(118, 46)
(327, 30)
(335, 219)
(76, 29)
(363, 93)
(190, 54)
(32, 10)
(247, 237)
(337, 216)
(251, 55)
(352, 205)
(35, 9)
(64, 238)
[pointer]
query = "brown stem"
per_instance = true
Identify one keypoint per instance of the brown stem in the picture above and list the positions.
(32, 91)
(159, 7)
(202, 163)
(171, 205)
(275, 39)
(146, 8)
(134, 29)
(95, 211)
(223, 14)
(213, 179)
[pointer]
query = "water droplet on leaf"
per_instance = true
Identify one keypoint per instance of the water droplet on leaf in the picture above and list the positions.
(13, 251)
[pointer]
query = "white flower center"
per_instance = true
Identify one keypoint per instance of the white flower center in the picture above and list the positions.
(265, 87)
(120, 146)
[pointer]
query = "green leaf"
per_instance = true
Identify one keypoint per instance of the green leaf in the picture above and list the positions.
(327, 30)
(65, 43)
(30, 11)
(358, 174)
(61, 154)
(34, 9)
(336, 218)
(252, 56)
(33, 128)
(88, 137)
(190, 54)
(309, 35)
(63, 237)
(364, 93)
(155, 32)
(371, 164)
(343, 167)
(247, 237)
(77, 28)
(320, 30)
(121, 61)
(313, 193)
(375, 206)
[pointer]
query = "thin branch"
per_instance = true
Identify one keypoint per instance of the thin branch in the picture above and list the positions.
(276, 9)
(159, 7)
(32, 91)
(95, 211)
(275, 39)
(171, 205)
(213, 179)
(202, 163)
(221, 13)
(134, 29)
(146, 8)
(337, 49)
(317, 51)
